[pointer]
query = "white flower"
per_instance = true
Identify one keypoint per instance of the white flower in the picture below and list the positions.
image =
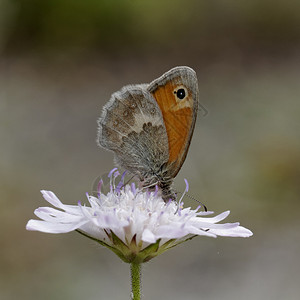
(137, 225)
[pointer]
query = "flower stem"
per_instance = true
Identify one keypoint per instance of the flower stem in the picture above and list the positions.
(135, 269)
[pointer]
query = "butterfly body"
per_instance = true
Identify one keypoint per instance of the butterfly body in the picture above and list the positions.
(149, 127)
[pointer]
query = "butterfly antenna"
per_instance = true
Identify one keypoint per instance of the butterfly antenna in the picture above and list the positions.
(127, 181)
(193, 198)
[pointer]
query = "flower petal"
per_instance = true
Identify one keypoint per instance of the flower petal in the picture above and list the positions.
(48, 227)
(148, 236)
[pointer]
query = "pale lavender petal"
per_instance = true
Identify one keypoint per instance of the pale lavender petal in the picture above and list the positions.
(211, 225)
(204, 213)
(148, 236)
(52, 199)
(94, 202)
(234, 232)
(37, 225)
(217, 218)
(62, 219)
(94, 231)
(197, 231)
(176, 232)
(171, 231)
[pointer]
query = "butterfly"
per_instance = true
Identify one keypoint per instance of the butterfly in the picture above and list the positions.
(149, 127)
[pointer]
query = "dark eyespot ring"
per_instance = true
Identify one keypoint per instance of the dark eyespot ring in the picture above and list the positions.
(180, 94)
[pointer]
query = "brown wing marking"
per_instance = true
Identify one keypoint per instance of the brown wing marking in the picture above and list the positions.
(178, 119)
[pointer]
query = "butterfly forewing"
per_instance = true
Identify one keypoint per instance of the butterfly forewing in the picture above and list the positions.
(176, 93)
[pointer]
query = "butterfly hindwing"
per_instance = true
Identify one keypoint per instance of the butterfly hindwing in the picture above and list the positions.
(132, 127)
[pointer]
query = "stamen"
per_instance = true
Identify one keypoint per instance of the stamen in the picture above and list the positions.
(198, 207)
(180, 203)
(111, 183)
(111, 172)
(121, 183)
(186, 185)
(160, 215)
(116, 174)
(100, 183)
(156, 190)
(179, 210)
(168, 203)
(82, 210)
(133, 188)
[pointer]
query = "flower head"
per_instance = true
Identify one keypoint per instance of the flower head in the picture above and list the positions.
(136, 224)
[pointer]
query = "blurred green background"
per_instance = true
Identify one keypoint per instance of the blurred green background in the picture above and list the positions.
(59, 63)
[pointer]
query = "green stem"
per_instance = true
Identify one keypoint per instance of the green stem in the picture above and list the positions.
(135, 269)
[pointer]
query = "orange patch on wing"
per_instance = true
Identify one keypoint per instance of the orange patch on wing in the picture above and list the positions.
(178, 122)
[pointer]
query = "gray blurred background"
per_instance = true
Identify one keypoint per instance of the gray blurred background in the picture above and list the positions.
(60, 60)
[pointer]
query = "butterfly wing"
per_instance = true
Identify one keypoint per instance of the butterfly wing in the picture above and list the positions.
(176, 93)
(132, 127)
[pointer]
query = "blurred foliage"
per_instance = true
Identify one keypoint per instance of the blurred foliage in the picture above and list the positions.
(134, 25)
